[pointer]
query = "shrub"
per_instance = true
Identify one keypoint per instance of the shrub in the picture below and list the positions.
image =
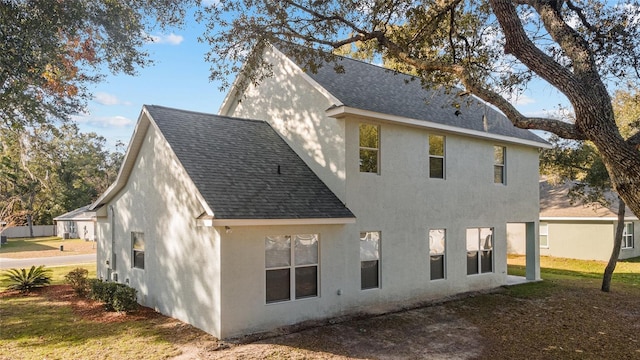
(78, 279)
(26, 281)
(124, 298)
(116, 297)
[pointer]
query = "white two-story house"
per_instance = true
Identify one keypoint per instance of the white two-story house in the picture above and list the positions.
(344, 193)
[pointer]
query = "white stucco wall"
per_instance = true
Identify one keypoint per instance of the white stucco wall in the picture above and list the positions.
(84, 230)
(403, 204)
(297, 111)
(182, 260)
(586, 240)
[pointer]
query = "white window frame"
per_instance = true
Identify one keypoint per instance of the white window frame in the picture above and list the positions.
(434, 156)
(377, 150)
(545, 226)
(435, 252)
(480, 250)
(378, 258)
(502, 165)
(292, 269)
(627, 236)
(134, 251)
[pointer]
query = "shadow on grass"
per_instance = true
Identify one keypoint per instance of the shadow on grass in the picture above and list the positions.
(35, 327)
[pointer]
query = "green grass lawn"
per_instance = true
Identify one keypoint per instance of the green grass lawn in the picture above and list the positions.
(45, 246)
(57, 274)
(31, 244)
(36, 328)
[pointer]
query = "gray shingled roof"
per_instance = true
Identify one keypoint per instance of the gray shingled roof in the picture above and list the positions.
(82, 213)
(369, 87)
(244, 169)
(555, 202)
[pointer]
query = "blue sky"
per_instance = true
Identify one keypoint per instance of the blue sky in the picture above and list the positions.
(180, 79)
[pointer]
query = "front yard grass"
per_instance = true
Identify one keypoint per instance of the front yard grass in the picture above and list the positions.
(57, 274)
(20, 248)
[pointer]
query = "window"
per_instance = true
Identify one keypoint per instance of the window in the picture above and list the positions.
(291, 267)
(479, 250)
(499, 156)
(627, 236)
(544, 235)
(369, 260)
(137, 247)
(436, 252)
(369, 148)
(436, 157)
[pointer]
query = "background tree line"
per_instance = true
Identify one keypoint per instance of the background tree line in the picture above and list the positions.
(46, 171)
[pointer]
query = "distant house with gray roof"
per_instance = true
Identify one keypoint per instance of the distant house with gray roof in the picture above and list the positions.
(76, 224)
(314, 195)
(580, 231)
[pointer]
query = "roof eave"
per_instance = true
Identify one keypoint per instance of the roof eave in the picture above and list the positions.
(271, 222)
(338, 112)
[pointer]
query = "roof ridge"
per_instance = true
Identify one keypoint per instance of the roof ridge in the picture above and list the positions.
(201, 113)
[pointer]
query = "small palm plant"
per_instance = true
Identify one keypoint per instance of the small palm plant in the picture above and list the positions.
(25, 281)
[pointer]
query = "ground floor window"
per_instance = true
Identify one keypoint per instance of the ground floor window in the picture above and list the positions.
(479, 250)
(627, 236)
(369, 260)
(436, 253)
(544, 235)
(137, 249)
(291, 267)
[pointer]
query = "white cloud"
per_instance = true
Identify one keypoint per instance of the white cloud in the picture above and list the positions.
(104, 121)
(522, 100)
(106, 99)
(171, 39)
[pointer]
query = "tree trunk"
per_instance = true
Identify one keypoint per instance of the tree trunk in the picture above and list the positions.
(615, 253)
(30, 223)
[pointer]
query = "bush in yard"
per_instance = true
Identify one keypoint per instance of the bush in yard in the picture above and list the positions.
(124, 298)
(116, 297)
(79, 281)
(25, 281)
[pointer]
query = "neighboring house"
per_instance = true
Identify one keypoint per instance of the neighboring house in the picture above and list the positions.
(77, 224)
(581, 231)
(352, 192)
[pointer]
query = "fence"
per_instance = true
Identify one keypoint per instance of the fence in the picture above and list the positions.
(23, 231)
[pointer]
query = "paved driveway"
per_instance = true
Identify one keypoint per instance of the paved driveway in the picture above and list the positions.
(6, 263)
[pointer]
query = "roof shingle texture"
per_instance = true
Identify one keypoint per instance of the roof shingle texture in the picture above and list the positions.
(369, 87)
(244, 169)
(556, 202)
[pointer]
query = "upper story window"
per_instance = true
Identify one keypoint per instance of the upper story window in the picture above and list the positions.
(436, 156)
(369, 148)
(544, 235)
(627, 236)
(499, 164)
(137, 249)
(291, 267)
